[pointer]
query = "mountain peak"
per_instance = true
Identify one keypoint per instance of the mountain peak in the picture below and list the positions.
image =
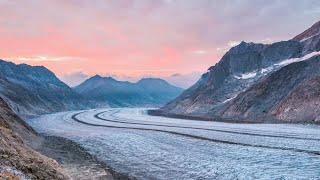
(245, 47)
(35, 89)
(314, 30)
(110, 78)
(96, 77)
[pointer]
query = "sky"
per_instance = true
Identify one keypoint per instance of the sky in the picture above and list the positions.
(130, 39)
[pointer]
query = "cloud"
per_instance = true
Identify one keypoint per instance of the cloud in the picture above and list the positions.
(200, 52)
(74, 79)
(230, 44)
(233, 43)
(42, 58)
(184, 80)
(135, 37)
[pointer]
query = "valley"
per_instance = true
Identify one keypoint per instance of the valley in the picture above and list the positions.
(113, 90)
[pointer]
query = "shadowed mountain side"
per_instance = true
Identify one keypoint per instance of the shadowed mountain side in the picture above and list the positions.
(32, 90)
(290, 94)
(146, 92)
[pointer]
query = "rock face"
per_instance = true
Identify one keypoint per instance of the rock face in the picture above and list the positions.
(33, 90)
(310, 38)
(302, 104)
(17, 160)
(108, 91)
(289, 94)
(313, 31)
(246, 84)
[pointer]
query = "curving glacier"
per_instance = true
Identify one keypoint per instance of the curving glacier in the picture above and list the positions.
(149, 147)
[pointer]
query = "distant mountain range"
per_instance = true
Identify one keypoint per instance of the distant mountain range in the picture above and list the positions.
(33, 90)
(276, 82)
(146, 92)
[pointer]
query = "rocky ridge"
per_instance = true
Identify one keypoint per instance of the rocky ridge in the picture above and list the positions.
(226, 90)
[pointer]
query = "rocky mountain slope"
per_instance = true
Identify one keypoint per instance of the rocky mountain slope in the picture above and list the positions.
(302, 104)
(310, 38)
(33, 90)
(17, 160)
(226, 90)
(289, 94)
(146, 92)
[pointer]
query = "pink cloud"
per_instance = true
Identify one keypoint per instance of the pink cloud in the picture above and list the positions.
(138, 37)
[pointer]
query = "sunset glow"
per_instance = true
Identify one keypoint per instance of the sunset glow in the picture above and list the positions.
(135, 38)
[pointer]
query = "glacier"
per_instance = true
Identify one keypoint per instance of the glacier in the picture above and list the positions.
(149, 147)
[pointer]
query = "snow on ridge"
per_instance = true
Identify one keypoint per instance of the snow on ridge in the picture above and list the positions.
(229, 99)
(293, 60)
(266, 70)
(304, 39)
(247, 75)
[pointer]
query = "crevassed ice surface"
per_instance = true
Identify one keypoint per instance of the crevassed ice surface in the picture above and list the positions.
(175, 148)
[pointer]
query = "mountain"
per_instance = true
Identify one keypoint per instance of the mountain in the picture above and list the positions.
(246, 83)
(146, 92)
(18, 160)
(31, 90)
(310, 38)
(289, 94)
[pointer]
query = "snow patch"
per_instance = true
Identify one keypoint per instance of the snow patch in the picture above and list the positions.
(292, 60)
(229, 99)
(266, 70)
(304, 39)
(246, 76)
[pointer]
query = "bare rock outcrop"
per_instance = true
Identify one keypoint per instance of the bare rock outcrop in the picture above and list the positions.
(302, 104)
(17, 160)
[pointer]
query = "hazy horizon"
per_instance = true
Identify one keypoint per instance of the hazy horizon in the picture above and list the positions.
(131, 39)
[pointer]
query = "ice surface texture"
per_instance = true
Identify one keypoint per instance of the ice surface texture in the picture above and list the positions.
(186, 149)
